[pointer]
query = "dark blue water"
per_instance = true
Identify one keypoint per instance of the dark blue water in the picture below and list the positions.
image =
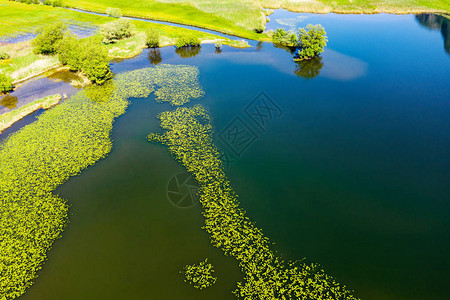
(351, 171)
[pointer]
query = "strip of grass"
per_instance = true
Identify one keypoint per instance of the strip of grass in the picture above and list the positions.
(24, 63)
(241, 17)
(9, 118)
(62, 142)
(361, 6)
(182, 13)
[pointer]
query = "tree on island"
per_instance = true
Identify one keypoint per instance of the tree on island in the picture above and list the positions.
(311, 42)
(307, 44)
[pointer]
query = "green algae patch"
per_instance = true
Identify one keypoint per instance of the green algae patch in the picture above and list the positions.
(9, 118)
(199, 275)
(61, 143)
(266, 275)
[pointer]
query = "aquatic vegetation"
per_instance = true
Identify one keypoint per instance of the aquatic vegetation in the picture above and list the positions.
(60, 144)
(188, 137)
(9, 118)
(200, 275)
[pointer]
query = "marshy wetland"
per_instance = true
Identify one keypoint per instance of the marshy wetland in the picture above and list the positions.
(318, 179)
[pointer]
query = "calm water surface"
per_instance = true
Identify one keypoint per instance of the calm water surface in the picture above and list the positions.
(352, 171)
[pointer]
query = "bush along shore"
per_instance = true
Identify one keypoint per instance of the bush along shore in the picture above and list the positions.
(61, 143)
(189, 139)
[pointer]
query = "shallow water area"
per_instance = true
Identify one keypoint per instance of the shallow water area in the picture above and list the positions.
(37, 88)
(348, 166)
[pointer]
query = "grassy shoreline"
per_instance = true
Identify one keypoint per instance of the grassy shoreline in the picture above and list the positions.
(8, 119)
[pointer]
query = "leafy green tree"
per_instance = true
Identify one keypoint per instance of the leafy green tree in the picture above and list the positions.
(311, 41)
(116, 30)
(69, 52)
(86, 55)
(48, 38)
(153, 38)
(5, 83)
(95, 62)
(283, 37)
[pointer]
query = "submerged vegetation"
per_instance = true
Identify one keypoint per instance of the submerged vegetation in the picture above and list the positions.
(189, 139)
(61, 143)
(200, 275)
(9, 118)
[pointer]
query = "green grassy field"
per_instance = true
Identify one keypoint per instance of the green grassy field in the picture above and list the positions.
(241, 17)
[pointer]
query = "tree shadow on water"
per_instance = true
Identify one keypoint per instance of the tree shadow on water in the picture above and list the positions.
(188, 51)
(309, 68)
(439, 22)
(9, 101)
(154, 56)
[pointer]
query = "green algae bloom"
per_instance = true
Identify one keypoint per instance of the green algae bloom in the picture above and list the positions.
(64, 141)
(266, 276)
(200, 275)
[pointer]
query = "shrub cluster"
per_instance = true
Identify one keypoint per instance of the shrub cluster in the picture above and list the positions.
(153, 38)
(189, 137)
(199, 275)
(308, 43)
(5, 83)
(116, 30)
(48, 37)
(85, 55)
(3, 55)
(29, 1)
(187, 40)
(283, 37)
(54, 3)
(114, 12)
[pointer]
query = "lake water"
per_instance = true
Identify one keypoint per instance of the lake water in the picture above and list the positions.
(351, 170)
